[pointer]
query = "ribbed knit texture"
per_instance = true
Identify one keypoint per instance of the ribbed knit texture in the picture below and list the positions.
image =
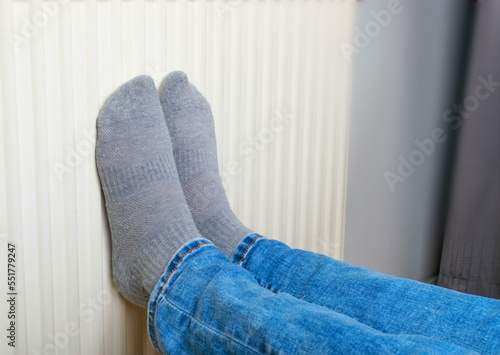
(147, 211)
(191, 126)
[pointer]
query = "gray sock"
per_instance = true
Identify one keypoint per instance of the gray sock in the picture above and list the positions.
(147, 211)
(191, 126)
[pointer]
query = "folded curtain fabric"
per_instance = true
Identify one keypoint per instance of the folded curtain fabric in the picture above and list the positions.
(471, 252)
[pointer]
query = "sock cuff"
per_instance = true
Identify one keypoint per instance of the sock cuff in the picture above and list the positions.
(122, 181)
(157, 253)
(226, 229)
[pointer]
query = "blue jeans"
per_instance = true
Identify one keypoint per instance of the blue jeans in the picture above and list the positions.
(275, 300)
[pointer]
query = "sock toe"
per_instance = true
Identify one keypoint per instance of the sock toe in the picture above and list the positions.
(131, 126)
(131, 100)
(177, 93)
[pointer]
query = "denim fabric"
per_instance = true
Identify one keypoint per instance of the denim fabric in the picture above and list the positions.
(389, 304)
(204, 304)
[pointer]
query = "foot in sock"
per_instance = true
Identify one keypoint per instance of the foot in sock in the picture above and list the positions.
(147, 211)
(191, 127)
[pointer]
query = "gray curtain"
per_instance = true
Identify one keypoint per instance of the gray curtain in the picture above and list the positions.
(471, 252)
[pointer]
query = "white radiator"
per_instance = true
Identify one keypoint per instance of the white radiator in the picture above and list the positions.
(279, 87)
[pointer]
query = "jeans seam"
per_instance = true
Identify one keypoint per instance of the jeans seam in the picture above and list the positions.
(206, 326)
(272, 267)
(301, 294)
(161, 289)
(248, 247)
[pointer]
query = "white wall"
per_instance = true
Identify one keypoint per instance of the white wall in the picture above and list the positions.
(404, 80)
(256, 61)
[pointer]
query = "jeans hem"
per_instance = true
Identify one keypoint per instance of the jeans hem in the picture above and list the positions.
(244, 248)
(174, 267)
